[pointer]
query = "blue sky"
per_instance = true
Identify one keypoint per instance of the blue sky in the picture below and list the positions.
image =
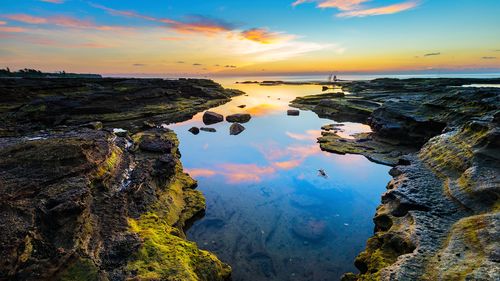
(239, 37)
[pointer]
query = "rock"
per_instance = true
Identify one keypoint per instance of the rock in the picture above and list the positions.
(194, 130)
(242, 106)
(310, 229)
(206, 129)
(94, 125)
(236, 129)
(293, 112)
(239, 118)
(210, 118)
(325, 88)
(148, 125)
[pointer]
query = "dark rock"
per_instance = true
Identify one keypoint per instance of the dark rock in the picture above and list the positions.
(210, 130)
(236, 129)
(238, 118)
(242, 106)
(293, 112)
(194, 130)
(210, 118)
(148, 125)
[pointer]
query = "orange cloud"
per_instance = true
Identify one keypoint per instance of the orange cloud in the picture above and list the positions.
(386, 10)
(263, 36)
(310, 135)
(172, 39)
(287, 165)
(236, 173)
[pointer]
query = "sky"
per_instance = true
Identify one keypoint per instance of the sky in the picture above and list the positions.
(257, 37)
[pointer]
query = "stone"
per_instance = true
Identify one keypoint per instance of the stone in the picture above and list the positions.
(310, 229)
(239, 118)
(293, 112)
(210, 118)
(194, 130)
(206, 129)
(236, 129)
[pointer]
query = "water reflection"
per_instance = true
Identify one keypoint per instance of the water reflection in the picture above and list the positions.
(270, 215)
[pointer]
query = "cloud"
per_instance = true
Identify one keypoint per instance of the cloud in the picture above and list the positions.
(264, 36)
(12, 29)
(53, 1)
(384, 10)
(63, 21)
(201, 172)
(310, 135)
(3, 22)
(432, 54)
(172, 38)
(356, 8)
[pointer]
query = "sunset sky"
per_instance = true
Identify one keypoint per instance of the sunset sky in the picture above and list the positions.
(215, 37)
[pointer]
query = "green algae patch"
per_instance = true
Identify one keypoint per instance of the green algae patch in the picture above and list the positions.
(80, 270)
(165, 256)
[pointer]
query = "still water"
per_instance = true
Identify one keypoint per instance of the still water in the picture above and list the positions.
(270, 214)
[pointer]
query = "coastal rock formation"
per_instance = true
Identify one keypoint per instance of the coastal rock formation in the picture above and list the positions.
(210, 118)
(238, 118)
(236, 129)
(82, 202)
(439, 219)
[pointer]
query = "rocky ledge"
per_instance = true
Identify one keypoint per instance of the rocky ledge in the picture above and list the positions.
(439, 219)
(81, 200)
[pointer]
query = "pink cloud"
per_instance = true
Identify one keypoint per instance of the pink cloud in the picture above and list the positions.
(310, 135)
(26, 18)
(3, 22)
(201, 172)
(12, 29)
(53, 1)
(385, 10)
(339, 4)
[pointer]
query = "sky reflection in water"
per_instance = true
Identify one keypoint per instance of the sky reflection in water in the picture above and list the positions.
(269, 213)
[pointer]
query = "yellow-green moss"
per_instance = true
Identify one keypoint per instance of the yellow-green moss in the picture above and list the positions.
(110, 163)
(165, 256)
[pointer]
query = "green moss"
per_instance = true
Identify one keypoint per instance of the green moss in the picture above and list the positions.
(110, 163)
(165, 256)
(80, 270)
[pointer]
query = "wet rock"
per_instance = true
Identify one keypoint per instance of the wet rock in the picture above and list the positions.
(120, 132)
(94, 125)
(210, 118)
(148, 125)
(206, 129)
(310, 229)
(236, 129)
(293, 112)
(242, 106)
(194, 130)
(238, 118)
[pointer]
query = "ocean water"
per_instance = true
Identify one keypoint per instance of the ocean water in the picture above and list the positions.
(270, 214)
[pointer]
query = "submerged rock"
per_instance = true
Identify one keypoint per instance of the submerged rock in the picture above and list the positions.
(194, 130)
(239, 118)
(236, 129)
(293, 112)
(310, 229)
(210, 118)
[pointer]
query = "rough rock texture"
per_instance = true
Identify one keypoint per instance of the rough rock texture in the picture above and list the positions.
(439, 219)
(236, 129)
(35, 104)
(81, 203)
(239, 118)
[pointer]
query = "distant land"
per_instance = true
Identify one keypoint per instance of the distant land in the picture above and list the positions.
(33, 73)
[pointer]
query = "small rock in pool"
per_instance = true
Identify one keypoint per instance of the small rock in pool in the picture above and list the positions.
(242, 106)
(210, 130)
(239, 118)
(293, 112)
(236, 129)
(312, 230)
(194, 130)
(210, 117)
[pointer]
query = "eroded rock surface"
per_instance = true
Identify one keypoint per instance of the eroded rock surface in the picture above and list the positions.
(439, 219)
(83, 201)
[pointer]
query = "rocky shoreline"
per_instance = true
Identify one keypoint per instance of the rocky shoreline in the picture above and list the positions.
(91, 184)
(439, 219)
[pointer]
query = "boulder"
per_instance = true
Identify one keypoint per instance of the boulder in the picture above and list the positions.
(210, 117)
(210, 130)
(194, 130)
(293, 112)
(239, 118)
(236, 129)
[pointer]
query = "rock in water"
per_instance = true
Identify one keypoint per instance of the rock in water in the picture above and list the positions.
(293, 112)
(239, 118)
(210, 118)
(210, 130)
(236, 129)
(309, 229)
(194, 130)
(242, 106)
